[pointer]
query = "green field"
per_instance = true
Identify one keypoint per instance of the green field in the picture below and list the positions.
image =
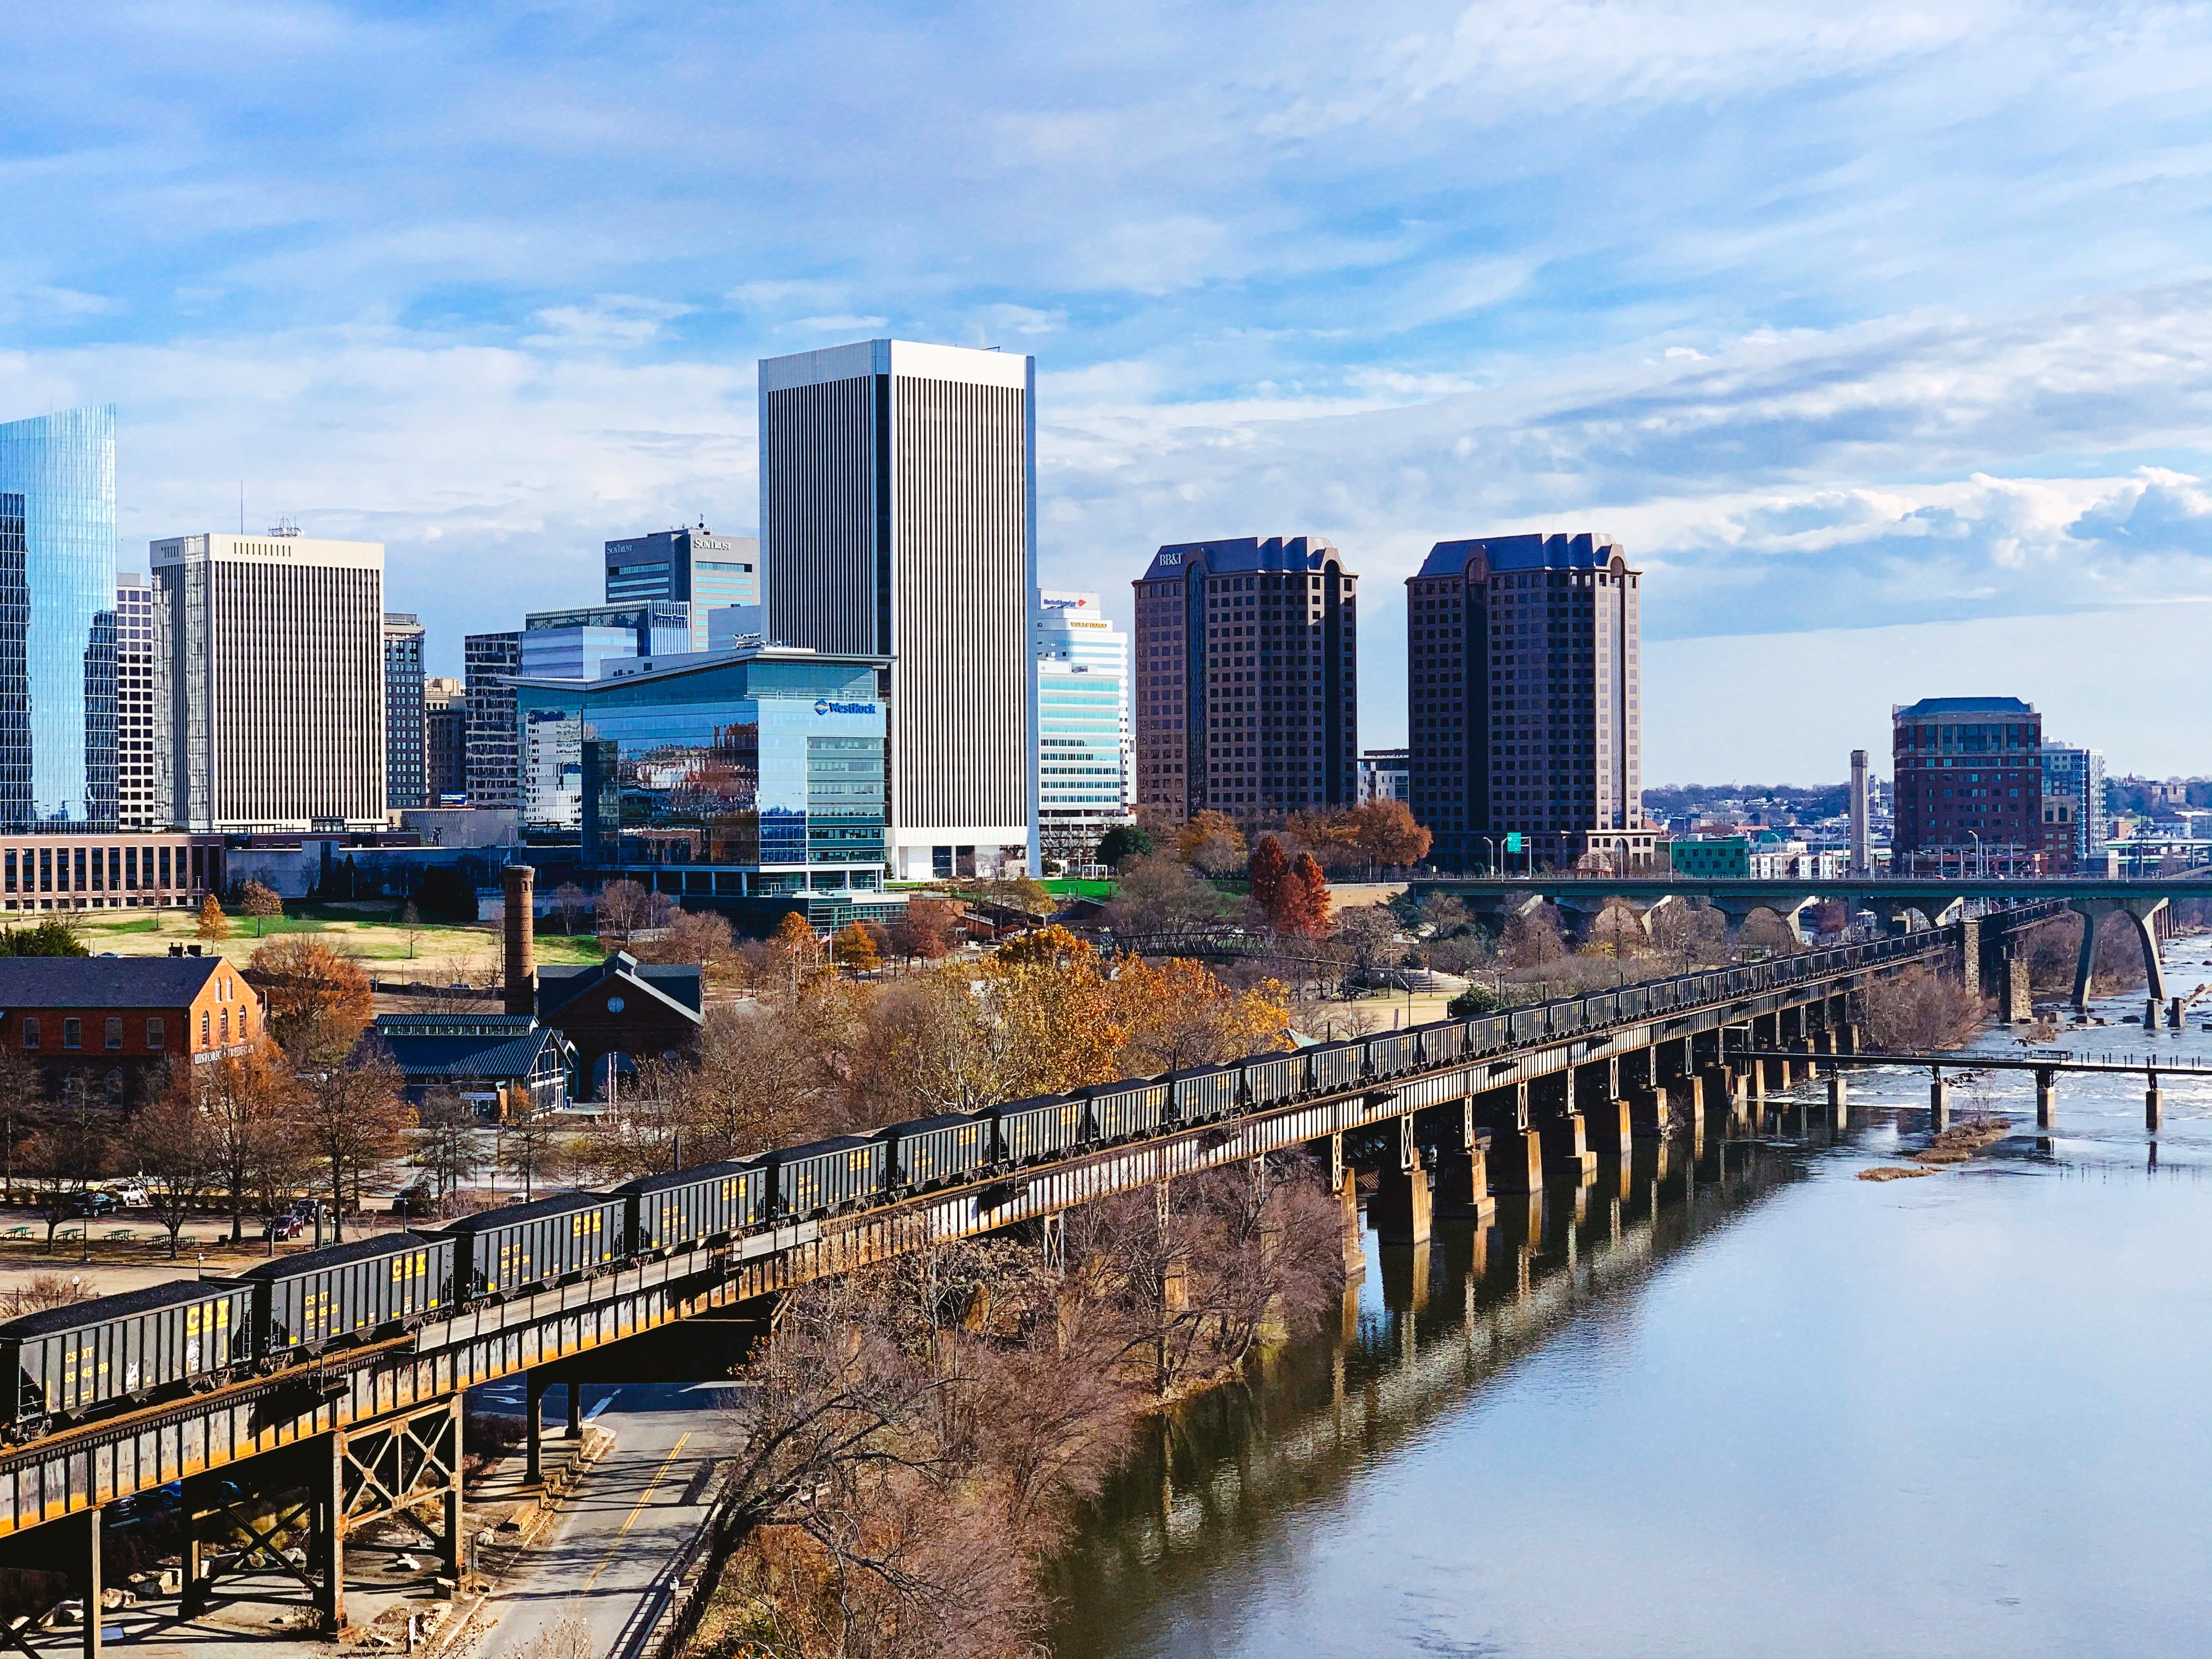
(369, 935)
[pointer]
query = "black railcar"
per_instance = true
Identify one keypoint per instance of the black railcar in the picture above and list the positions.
(92, 1357)
(1128, 1111)
(934, 1151)
(1394, 1054)
(692, 1206)
(1336, 1066)
(1276, 1080)
(824, 1176)
(1042, 1126)
(523, 1246)
(348, 1292)
(1200, 1094)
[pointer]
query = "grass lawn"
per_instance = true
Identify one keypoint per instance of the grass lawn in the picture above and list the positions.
(1069, 889)
(441, 949)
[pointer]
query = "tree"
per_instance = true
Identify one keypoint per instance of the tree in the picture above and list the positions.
(310, 986)
(1210, 843)
(530, 1146)
(1764, 930)
(410, 923)
(447, 1130)
(1159, 895)
(22, 1107)
(1386, 831)
(624, 908)
(1472, 1003)
(245, 1102)
(569, 902)
(796, 948)
(1919, 1012)
(1369, 934)
(1306, 906)
(55, 936)
(700, 936)
(1532, 938)
(1125, 842)
(755, 1078)
(1616, 931)
(924, 929)
(214, 926)
(1269, 873)
(259, 902)
(1178, 1014)
(351, 1113)
(854, 950)
(177, 1160)
(70, 1152)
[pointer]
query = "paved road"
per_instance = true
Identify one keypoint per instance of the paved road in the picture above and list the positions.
(604, 1564)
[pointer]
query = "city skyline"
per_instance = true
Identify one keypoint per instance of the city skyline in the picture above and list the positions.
(1439, 277)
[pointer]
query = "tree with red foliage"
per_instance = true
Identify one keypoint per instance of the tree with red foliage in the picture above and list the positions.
(1305, 907)
(1269, 870)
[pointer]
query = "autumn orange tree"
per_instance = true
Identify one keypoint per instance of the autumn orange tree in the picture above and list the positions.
(1387, 833)
(309, 985)
(1304, 906)
(1176, 1013)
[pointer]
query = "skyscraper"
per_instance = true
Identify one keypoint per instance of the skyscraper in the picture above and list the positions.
(694, 565)
(2077, 775)
(403, 786)
(269, 681)
(445, 741)
(58, 622)
(493, 761)
(1523, 708)
(1246, 677)
(1968, 773)
(137, 805)
(1083, 723)
(898, 518)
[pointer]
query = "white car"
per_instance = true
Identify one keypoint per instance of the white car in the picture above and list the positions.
(131, 1195)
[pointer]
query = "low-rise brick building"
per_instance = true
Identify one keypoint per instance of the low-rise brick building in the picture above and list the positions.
(120, 1021)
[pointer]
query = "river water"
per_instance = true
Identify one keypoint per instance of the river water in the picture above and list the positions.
(1741, 1403)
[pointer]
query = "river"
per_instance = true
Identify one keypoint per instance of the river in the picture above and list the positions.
(1741, 1404)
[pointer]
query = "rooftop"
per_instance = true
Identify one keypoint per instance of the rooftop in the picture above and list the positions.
(1929, 708)
(104, 982)
(1587, 551)
(1239, 555)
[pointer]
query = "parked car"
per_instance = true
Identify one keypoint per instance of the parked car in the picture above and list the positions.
(93, 1203)
(131, 1195)
(417, 1200)
(291, 1226)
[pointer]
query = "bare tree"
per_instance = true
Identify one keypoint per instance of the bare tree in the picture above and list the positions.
(569, 902)
(177, 1158)
(23, 1108)
(70, 1152)
(350, 1109)
(245, 1102)
(1920, 1011)
(447, 1135)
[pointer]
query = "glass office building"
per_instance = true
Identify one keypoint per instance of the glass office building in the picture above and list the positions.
(694, 566)
(1082, 725)
(752, 784)
(58, 737)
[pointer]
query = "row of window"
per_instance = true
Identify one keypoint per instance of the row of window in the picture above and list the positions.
(156, 1031)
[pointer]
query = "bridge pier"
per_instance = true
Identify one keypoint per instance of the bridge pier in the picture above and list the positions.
(1939, 1104)
(1462, 1180)
(1400, 1211)
(2046, 1099)
(2153, 1111)
(1567, 1156)
(2142, 915)
(1840, 1111)
(2173, 1018)
(1355, 1248)
(534, 1383)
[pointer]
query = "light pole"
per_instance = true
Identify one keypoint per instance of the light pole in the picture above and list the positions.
(1490, 855)
(1975, 836)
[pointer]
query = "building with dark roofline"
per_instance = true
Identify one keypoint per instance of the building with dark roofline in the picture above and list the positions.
(115, 1020)
(1969, 781)
(1523, 702)
(1247, 672)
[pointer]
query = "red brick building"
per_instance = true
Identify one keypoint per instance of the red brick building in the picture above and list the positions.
(1969, 780)
(118, 1019)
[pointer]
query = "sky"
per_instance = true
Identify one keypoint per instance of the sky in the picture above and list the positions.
(1882, 335)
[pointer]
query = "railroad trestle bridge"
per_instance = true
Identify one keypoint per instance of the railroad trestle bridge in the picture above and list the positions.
(376, 1429)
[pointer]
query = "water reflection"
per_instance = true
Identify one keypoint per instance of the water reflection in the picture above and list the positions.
(1729, 1399)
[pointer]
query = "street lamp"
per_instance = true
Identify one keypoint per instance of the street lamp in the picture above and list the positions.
(1975, 836)
(1490, 858)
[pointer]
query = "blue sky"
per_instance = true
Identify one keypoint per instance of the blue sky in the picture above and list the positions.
(1880, 334)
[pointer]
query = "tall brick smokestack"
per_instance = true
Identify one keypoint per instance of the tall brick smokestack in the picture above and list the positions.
(521, 971)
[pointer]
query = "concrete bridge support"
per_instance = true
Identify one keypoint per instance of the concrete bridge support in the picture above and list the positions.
(2142, 914)
(1517, 1154)
(2046, 1099)
(1400, 1210)
(1939, 1104)
(1462, 1180)
(2153, 1109)
(1355, 1250)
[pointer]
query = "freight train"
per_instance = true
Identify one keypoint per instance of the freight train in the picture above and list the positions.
(96, 1358)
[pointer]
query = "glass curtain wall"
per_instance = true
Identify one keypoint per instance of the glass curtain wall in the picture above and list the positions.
(57, 731)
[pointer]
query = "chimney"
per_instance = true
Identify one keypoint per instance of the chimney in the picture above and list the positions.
(520, 881)
(1861, 845)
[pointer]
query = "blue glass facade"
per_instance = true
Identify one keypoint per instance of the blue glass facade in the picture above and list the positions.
(57, 733)
(766, 768)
